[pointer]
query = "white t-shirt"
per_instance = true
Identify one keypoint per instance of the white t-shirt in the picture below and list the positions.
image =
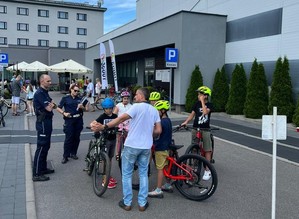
(144, 116)
(90, 89)
(123, 108)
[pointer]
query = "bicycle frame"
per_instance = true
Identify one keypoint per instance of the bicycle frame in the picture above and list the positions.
(184, 167)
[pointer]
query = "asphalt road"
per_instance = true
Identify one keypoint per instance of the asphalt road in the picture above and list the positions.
(244, 187)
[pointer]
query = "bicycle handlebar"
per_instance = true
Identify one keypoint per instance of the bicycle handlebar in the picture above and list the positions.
(189, 128)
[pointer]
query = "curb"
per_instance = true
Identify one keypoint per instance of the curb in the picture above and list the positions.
(30, 196)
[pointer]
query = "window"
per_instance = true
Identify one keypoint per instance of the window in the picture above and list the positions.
(63, 15)
(43, 43)
(64, 44)
(3, 40)
(22, 11)
(81, 31)
(63, 30)
(265, 24)
(23, 42)
(3, 25)
(81, 17)
(3, 9)
(81, 45)
(43, 13)
(23, 27)
(43, 28)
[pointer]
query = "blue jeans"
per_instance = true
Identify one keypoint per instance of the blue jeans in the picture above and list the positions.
(129, 157)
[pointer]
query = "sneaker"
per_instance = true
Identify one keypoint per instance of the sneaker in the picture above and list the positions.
(167, 188)
(207, 175)
(113, 180)
(157, 193)
(111, 185)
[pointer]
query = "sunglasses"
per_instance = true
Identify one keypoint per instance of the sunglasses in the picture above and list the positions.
(77, 91)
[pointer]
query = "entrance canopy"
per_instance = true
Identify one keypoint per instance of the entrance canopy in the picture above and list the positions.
(69, 66)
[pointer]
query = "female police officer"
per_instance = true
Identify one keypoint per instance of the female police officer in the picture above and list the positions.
(73, 122)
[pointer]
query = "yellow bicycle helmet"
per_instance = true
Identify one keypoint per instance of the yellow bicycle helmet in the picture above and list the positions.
(155, 96)
(162, 104)
(204, 90)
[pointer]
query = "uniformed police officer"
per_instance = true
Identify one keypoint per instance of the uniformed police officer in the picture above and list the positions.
(43, 106)
(73, 122)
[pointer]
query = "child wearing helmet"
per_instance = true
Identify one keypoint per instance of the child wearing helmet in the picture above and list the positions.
(154, 97)
(201, 111)
(119, 109)
(124, 105)
(107, 116)
(161, 149)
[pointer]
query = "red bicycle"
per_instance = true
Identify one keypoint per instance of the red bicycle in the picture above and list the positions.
(186, 173)
(197, 148)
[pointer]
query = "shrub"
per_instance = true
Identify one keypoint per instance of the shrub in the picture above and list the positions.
(281, 94)
(191, 95)
(220, 91)
(237, 92)
(256, 103)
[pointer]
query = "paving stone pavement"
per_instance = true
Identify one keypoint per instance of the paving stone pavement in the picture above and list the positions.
(12, 171)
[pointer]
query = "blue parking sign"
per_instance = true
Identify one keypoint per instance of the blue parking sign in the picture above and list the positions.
(4, 59)
(171, 57)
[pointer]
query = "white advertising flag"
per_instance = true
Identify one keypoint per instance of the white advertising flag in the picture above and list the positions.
(103, 66)
(113, 62)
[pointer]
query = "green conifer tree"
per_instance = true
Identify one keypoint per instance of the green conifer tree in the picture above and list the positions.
(237, 92)
(220, 91)
(281, 94)
(296, 115)
(191, 95)
(256, 104)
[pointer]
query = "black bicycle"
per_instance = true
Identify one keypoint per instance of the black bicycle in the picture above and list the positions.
(98, 162)
(7, 105)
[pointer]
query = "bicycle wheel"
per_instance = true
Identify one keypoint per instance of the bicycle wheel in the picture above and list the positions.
(89, 159)
(22, 105)
(101, 173)
(194, 187)
(98, 104)
(3, 121)
(193, 149)
(4, 109)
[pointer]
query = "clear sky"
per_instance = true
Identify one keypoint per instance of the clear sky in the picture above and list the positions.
(119, 12)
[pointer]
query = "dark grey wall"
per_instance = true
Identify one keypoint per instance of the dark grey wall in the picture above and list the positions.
(200, 39)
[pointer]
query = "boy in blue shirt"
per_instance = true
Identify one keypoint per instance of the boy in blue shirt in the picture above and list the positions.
(161, 147)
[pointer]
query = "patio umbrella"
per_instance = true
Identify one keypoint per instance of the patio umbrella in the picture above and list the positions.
(36, 67)
(18, 66)
(69, 66)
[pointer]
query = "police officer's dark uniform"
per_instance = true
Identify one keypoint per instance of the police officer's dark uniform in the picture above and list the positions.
(44, 130)
(73, 125)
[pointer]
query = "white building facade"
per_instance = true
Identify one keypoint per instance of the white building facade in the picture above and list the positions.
(265, 30)
(48, 31)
